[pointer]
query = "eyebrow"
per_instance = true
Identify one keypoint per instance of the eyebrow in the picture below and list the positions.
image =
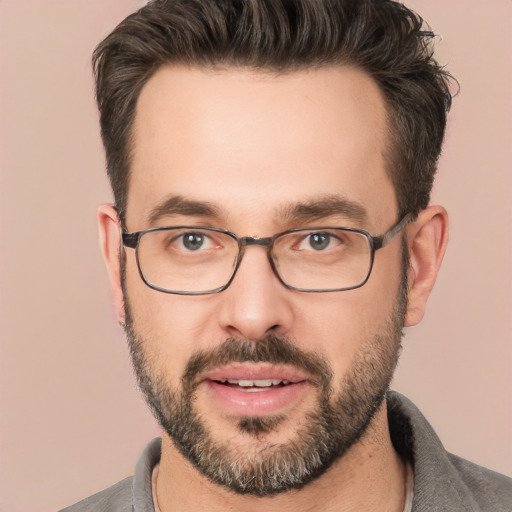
(325, 206)
(304, 211)
(178, 205)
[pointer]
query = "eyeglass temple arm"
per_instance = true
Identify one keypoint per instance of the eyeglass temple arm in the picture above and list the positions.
(130, 239)
(381, 241)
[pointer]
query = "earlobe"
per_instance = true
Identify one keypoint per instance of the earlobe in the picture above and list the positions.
(427, 240)
(110, 243)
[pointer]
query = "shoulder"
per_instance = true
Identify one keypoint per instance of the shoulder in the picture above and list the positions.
(131, 494)
(442, 481)
(117, 498)
(490, 490)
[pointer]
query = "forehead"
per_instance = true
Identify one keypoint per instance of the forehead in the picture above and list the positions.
(247, 141)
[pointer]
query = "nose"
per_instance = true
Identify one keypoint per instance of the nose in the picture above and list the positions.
(256, 302)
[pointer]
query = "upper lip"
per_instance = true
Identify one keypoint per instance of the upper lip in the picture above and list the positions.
(255, 371)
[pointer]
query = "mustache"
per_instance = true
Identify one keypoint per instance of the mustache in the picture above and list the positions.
(272, 348)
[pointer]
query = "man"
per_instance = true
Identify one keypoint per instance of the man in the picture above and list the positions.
(271, 162)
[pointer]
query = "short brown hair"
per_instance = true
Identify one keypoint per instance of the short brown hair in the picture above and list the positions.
(381, 37)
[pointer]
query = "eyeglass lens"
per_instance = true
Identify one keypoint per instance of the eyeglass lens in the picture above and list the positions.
(190, 260)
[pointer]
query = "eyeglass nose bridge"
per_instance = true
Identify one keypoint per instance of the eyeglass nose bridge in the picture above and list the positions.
(251, 240)
(245, 241)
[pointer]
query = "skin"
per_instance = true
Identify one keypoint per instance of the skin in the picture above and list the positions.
(252, 144)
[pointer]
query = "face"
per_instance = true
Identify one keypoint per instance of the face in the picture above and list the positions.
(258, 154)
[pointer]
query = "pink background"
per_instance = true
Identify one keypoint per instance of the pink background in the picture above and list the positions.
(71, 420)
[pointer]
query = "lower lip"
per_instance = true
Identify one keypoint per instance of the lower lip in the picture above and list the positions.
(256, 403)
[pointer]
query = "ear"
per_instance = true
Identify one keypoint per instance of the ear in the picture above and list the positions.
(110, 242)
(427, 240)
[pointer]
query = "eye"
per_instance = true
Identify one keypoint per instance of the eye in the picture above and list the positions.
(319, 241)
(192, 241)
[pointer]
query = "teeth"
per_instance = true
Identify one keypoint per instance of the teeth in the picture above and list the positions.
(261, 383)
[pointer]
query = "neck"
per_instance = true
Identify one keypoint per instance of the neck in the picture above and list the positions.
(369, 477)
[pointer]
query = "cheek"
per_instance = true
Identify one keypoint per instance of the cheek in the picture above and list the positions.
(338, 325)
(172, 327)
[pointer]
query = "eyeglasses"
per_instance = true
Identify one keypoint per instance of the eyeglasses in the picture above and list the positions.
(191, 260)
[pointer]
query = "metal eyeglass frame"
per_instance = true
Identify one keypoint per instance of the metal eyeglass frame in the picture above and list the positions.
(376, 242)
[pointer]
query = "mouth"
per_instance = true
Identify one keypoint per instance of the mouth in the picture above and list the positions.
(255, 389)
(254, 386)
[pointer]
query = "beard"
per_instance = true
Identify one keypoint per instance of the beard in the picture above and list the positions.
(335, 424)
